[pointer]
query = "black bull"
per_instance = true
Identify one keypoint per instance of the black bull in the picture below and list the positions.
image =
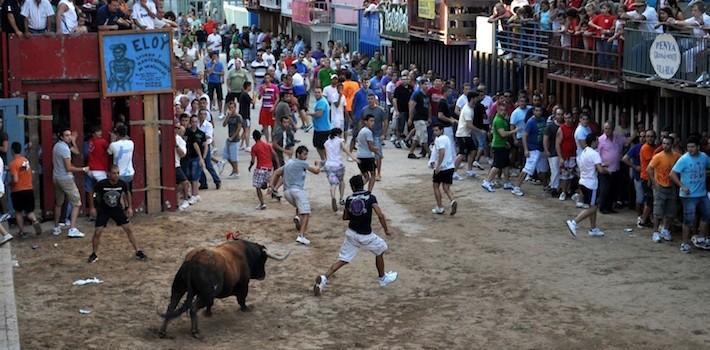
(219, 272)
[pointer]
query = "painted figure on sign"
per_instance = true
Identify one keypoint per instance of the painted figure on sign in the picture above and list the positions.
(121, 69)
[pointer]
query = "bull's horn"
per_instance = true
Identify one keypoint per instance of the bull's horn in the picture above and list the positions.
(277, 257)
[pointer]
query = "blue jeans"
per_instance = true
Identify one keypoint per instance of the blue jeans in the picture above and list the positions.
(210, 168)
(693, 205)
(194, 170)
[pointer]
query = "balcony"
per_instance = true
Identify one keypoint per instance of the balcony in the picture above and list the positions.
(271, 4)
(312, 12)
(681, 61)
(454, 20)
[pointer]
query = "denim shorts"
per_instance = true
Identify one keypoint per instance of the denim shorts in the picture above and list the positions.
(195, 170)
(481, 139)
(691, 206)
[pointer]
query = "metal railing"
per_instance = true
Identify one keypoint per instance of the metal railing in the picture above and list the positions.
(523, 41)
(694, 56)
(589, 58)
(312, 12)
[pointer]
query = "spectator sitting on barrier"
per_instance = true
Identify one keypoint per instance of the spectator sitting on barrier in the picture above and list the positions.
(109, 17)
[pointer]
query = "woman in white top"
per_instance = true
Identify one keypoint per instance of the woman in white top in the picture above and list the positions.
(334, 167)
(67, 19)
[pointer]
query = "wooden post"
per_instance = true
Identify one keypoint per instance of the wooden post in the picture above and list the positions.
(33, 126)
(152, 152)
(136, 114)
(76, 122)
(106, 114)
(167, 142)
(47, 133)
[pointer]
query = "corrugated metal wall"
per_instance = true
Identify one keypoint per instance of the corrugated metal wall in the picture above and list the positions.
(347, 34)
(499, 74)
(447, 61)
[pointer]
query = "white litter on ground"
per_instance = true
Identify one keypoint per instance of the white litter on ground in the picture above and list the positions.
(84, 311)
(93, 280)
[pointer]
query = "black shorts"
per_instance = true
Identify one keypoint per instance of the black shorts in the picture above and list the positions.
(366, 165)
(302, 102)
(647, 193)
(180, 176)
(212, 87)
(116, 214)
(443, 177)
(588, 196)
(23, 201)
(319, 139)
(232, 96)
(465, 145)
(501, 158)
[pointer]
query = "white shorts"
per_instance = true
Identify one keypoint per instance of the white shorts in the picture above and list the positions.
(536, 161)
(98, 175)
(354, 241)
(420, 131)
(299, 199)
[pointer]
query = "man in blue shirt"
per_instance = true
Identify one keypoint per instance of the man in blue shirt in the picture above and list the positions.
(321, 122)
(215, 75)
(689, 175)
(377, 88)
(532, 146)
(359, 104)
(110, 14)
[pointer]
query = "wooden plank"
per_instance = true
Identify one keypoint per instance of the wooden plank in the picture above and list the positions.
(76, 123)
(33, 154)
(135, 112)
(152, 153)
(47, 135)
(106, 116)
(167, 141)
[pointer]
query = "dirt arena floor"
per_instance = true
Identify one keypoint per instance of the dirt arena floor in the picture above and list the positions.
(501, 274)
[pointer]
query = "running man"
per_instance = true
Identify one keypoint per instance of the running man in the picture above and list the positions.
(113, 201)
(294, 174)
(367, 151)
(358, 211)
(590, 165)
(443, 164)
(262, 154)
(334, 167)
(22, 194)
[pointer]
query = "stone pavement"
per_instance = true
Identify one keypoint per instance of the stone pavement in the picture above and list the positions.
(9, 332)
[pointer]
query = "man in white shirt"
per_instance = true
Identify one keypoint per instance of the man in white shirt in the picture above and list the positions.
(647, 15)
(214, 42)
(442, 161)
(590, 165)
(146, 15)
(206, 127)
(36, 14)
(464, 142)
(463, 99)
(180, 178)
(269, 57)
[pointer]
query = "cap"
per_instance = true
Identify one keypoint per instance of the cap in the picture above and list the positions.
(334, 76)
(481, 87)
(639, 2)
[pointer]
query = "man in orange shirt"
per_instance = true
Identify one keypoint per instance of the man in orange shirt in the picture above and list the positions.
(22, 194)
(645, 155)
(664, 191)
(350, 88)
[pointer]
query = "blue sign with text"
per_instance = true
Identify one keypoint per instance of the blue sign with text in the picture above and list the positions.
(370, 28)
(136, 63)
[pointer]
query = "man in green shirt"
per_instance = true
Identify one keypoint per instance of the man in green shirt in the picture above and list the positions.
(376, 62)
(324, 73)
(235, 81)
(500, 149)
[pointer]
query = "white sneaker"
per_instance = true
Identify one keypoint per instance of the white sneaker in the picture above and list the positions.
(517, 191)
(508, 186)
(6, 238)
(261, 207)
(563, 196)
(477, 165)
(437, 210)
(184, 205)
(575, 197)
(220, 166)
(319, 286)
(457, 177)
(388, 278)
(666, 235)
(303, 240)
(579, 205)
(233, 176)
(75, 233)
(4, 217)
(685, 248)
(471, 173)
(572, 227)
(595, 232)
(639, 222)
(194, 199)
(487, 186)
(656, 237)
(221, 117)
(57, 230)
(393, 138)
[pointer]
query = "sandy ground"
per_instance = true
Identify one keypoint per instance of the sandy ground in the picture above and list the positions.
(502, 273)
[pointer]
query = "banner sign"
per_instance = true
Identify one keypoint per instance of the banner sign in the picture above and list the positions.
(665, 56)
(301, 12)
(286, 7)
(394, 21)
(426, 9)
(369, 27)
(136, 62)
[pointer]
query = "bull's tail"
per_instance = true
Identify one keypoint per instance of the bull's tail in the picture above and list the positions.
(190, 294)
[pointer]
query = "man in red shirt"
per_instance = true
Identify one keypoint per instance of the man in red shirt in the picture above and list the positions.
(264, 154)
(209, 26)
(98, 162)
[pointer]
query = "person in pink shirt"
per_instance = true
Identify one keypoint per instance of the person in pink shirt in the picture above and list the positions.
(610, 149)
(269, 95)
